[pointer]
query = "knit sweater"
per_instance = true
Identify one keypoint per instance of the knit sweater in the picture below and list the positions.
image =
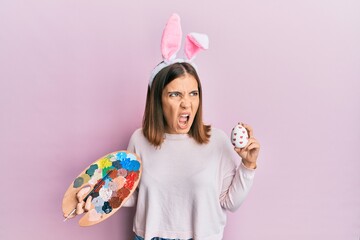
(186, 187)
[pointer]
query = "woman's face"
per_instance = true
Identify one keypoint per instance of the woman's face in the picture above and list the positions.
(180, 102)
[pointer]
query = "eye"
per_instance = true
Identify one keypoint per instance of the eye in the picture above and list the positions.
(194, 93)
(174, 94)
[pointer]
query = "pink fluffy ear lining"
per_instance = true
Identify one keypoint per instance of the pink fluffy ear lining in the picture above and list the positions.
(194, 43)
(171, 38)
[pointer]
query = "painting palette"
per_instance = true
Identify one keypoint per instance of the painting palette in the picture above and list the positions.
(112, 179)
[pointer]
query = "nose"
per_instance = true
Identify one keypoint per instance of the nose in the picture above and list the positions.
(185, 102)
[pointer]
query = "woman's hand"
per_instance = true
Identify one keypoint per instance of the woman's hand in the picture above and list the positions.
(82, 206)
(250, 152)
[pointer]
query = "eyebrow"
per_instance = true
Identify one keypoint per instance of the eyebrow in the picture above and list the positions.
(196, 90)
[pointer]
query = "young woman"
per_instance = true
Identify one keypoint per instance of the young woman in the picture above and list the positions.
(190, 170)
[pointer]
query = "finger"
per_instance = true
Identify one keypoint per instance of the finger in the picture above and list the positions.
(253, 146)
(250, 141)
(249, 129)
(82, 193)
(80, 208)
(242, 153)
(88, 204)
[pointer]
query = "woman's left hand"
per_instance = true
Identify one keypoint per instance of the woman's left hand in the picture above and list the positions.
(250, 152)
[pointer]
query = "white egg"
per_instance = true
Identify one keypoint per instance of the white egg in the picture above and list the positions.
(239, 136)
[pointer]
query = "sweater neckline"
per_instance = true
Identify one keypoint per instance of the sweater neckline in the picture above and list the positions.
(176, 136)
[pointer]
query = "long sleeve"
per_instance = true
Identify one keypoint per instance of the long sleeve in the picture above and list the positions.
(236, 187)
(236, 181)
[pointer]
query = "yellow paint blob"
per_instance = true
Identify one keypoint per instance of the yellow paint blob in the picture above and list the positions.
(104, 163)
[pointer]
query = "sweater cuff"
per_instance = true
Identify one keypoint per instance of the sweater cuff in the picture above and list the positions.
(248, 173)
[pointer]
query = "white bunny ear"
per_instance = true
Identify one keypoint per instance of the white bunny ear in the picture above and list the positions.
(171, 38)
(194, 42)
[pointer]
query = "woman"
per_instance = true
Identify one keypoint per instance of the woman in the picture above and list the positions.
(191, 172)
(189, 176)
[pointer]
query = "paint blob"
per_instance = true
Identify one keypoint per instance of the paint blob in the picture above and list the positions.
(122, 172)
(105, 193)
(104, 163)
(115, 202)
(98, 201)
(85, 177)
(107, 208)
(123, 193)
(119, 181)
(78, 182)
(90, 171)
(116, 164)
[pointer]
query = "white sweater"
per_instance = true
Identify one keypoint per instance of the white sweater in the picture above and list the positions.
(186, 187)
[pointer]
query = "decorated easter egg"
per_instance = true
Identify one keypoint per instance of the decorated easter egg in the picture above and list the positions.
(239, 136)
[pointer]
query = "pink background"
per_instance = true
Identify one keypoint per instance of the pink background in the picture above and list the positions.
(73, 77)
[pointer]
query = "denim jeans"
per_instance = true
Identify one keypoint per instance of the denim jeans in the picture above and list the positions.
(155, 238)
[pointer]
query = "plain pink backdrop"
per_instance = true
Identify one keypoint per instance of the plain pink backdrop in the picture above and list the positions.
(73, 78)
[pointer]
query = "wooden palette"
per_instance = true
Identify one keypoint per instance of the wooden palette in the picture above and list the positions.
(112, 179)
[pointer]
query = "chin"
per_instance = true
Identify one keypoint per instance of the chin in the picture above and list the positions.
(184, 131)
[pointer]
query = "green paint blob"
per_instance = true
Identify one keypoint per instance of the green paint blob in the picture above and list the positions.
(78, 182)
(90, 171)
(106, 170)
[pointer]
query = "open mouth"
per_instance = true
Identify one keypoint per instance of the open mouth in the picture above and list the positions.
(184, 120)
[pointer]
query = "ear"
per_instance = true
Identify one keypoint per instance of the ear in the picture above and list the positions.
(194, 42)
(171, 38)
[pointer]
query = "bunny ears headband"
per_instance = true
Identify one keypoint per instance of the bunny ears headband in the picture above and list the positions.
(171, 43)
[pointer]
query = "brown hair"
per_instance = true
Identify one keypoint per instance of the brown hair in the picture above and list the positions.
(154, 122)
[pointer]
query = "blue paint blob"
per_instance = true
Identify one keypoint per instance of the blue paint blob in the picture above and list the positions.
(117, 164)
(98, 202)
(135, 165)
(130, 165)
(125, 163)
(107, 208)
(120, 156)
(99, 209)
(106, 185)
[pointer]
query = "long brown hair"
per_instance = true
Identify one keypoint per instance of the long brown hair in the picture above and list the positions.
(154, 122)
